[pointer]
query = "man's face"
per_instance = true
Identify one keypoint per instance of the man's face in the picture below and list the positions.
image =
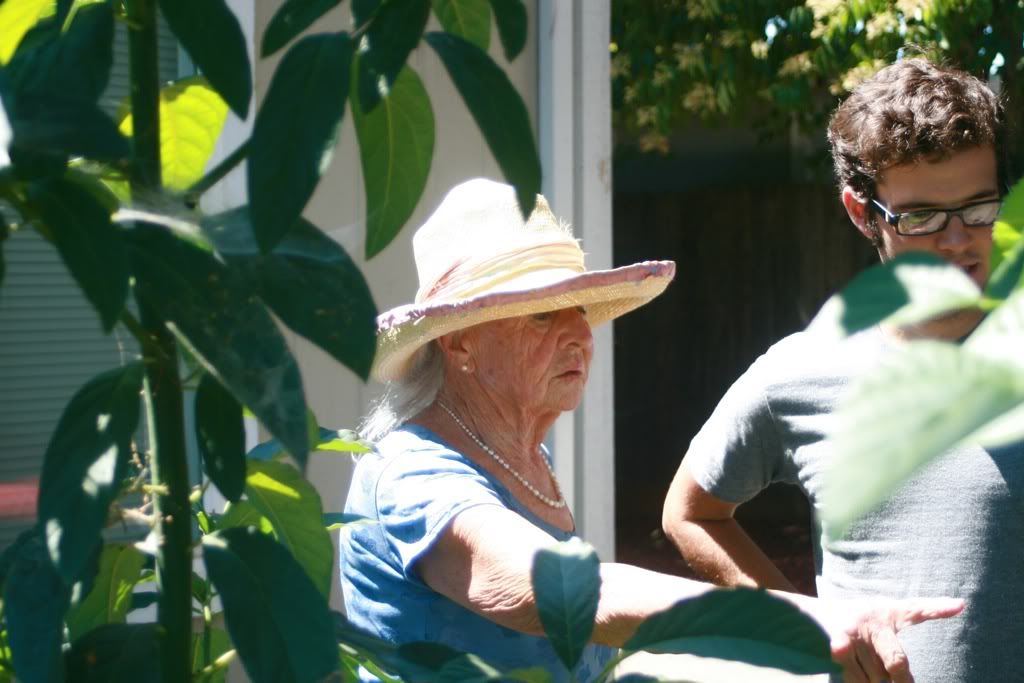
(965, 177)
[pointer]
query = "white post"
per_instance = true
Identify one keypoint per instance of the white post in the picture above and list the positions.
(575, 146)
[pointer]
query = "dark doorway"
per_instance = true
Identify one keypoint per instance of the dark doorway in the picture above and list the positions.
(755, 260)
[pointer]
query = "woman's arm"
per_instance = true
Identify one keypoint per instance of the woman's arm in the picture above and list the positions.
(483, 561)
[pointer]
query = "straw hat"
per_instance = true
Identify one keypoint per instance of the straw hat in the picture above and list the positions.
(477, 261)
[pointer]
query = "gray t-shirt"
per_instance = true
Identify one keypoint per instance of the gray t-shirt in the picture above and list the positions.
(955, 529)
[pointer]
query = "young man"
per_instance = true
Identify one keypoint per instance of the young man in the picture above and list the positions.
(918, 155)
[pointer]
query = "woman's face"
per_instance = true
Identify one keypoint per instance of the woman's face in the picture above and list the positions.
(540, 361)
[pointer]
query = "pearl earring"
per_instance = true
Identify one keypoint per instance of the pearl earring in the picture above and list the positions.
(465, 368)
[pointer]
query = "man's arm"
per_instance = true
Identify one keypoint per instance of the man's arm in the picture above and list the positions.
(707, 535)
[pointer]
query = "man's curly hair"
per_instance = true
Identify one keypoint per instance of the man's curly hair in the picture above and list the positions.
(910, 111)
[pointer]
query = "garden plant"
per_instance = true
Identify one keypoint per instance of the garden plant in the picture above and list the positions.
(202, 295)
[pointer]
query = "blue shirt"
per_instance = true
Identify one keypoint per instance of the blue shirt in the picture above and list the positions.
(410, 490)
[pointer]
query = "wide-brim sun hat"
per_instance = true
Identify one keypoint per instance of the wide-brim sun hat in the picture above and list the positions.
(478, 261)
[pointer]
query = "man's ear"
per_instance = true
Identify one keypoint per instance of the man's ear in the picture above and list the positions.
(857, 210)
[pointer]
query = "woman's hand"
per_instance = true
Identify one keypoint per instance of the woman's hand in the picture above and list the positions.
(863, 633)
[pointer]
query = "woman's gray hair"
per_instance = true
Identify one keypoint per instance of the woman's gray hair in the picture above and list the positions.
(404, 399)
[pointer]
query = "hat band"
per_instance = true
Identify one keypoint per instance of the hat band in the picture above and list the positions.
(471, 278)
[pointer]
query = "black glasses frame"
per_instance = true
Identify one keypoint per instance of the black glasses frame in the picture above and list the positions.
(893, 219)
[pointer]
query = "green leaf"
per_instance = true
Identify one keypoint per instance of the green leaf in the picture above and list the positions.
(310, 283)
(74, 62)
(1008, 229)
(396, 147)
(337, 520)
(192, 116)
(279, 622)
(221, 437)
(1000, 336)
(59, 125)
(211, 35)
(84, 465)
(295, 130)
(936, 391)
(395, 30)
(1010, 272)
(243, 514)
(468, 19)
(739, 624)
(342, 440)
(294, 17)
(498, 111)
(17, 17)
(291, 503)
(216, 317)
(220, 643)
(110, 598)
(90, 245)
(35, 599)
(116, 652)
(510, 16)
(566, 584)
(910, 289)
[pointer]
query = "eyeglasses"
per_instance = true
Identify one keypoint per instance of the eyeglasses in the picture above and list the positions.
(914, 223)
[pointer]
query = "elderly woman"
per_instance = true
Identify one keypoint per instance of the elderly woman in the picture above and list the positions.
(496, 347)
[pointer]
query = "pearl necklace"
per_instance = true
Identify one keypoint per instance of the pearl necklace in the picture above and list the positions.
(556, 503)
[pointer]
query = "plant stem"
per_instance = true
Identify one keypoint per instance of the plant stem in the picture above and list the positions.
(164, 408)
(145, 97)
(216, 174)
(165, 419)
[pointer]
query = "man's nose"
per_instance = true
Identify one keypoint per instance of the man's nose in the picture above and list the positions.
(956, 236)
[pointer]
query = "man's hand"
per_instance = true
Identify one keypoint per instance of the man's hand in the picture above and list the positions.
(863, 634)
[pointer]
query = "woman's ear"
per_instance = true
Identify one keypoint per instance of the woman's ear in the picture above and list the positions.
(457, 348)
(857, 209)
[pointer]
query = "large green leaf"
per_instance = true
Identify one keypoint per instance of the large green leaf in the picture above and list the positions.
(116, 653)
(935, 391)
(243, 514)
(90, 245)
(73, 62)
(110, 598)
(310, 283)
(394, 31)
(498, 111)
(211, 35)
(468, 19)
(84, 465)
(294, 17)
(909, 289)
(60, 125)
(215, 315)
(739, 624)
(192, 116)
(220, 643)
(291, 503)
(510, 16)
(294, 134)
(35, 599)
(279, 622)
(396, 147)
(17, 17)
(1000, 336)
(566, 586)
(221, 436)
